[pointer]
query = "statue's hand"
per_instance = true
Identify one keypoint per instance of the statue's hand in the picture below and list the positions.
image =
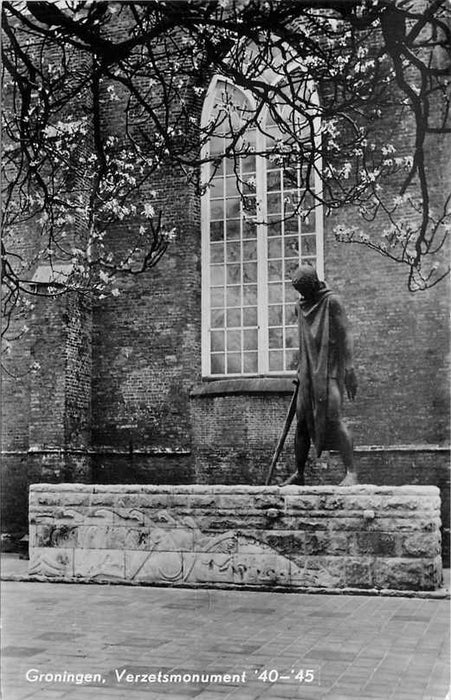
(351, 384)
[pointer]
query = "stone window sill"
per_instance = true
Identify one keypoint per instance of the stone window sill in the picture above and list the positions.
(249, 385)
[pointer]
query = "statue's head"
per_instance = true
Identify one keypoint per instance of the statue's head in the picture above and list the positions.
(305, 281)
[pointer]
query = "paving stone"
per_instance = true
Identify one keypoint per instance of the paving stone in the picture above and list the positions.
(360, 650)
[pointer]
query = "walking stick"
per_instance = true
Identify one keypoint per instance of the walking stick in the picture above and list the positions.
(286, 428)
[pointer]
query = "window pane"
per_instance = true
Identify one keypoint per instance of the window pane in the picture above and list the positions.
(217, 318)
(290, 314)
(248, 164)
(233, 229)
(291, 295)
(275, 248)
(217, 297)
(250, 272)
(233, 274)
(291, 337)
(217, 187)
(217, 340)
(275, 292)
(308, 245)
(249, 229)
(250, 340)
(217, 364)
(231, 186)
(250, 250)
(275, 270)
(217, 209)
(249, 294)
(217, 274)
(250, 362)
(291, 246)
(274, 226)
(291, 359)
(233, 317)
(234, 363)
(217, 230)
(290, 179)
(273, 180)
(308, 221)
(250, 317)
(275, 360)
(274, 204)
(290, 267)
(232, 208)
(217, 252)
(234, 340)
(275, 315)
(275, 337)
(233, 296)
(289, 205)
(249, 205)
(231, 166)
(233, 252)
(292, 225)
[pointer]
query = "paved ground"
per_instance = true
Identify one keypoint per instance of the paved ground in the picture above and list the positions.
(310, 646)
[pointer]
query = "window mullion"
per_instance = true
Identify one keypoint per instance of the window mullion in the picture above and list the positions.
(262, 266)
(319, 221)
(205, 289)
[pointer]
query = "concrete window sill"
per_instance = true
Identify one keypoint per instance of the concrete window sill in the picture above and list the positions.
(250, 385)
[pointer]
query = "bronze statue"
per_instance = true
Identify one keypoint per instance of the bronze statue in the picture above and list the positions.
(325, 371)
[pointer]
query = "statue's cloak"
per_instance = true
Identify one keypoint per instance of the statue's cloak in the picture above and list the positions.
(315, 368)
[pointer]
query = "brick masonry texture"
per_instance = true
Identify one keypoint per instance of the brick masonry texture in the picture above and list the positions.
(311, 537)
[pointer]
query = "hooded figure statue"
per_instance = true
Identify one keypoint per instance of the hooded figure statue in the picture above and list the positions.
(325, 371)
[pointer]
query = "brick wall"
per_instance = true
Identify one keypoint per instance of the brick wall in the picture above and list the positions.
(47, 430)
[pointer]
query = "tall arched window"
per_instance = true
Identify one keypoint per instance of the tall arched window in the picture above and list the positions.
(253, 237)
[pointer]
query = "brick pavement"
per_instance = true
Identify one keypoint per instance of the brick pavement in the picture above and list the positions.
(356, 647)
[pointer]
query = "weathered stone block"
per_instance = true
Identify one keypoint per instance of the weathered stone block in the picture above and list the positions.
(153, 567)
(266, 568)
(317, 572)
(99, 563)
(398, 573)
(101, 537)
(203, 501)
(298, 504)
(53, 498)
(325, 542)
(433, 574)
(421, 544)
(358, 572)
(54, 535)
(333, 502)
(382, 544)
(411, 503)
(208, 567)
(51, 562)
(310, 524)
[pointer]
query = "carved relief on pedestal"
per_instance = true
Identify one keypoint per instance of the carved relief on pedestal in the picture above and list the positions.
(51, 563)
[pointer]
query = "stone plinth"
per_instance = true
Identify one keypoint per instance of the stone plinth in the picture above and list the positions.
(295, 538)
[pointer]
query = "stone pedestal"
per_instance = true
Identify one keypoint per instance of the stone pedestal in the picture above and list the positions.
(292, 538)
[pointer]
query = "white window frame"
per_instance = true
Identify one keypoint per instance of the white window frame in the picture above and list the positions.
(262, 259)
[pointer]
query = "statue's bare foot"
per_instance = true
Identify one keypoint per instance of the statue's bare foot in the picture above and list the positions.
(349, 480)
(294, 480)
